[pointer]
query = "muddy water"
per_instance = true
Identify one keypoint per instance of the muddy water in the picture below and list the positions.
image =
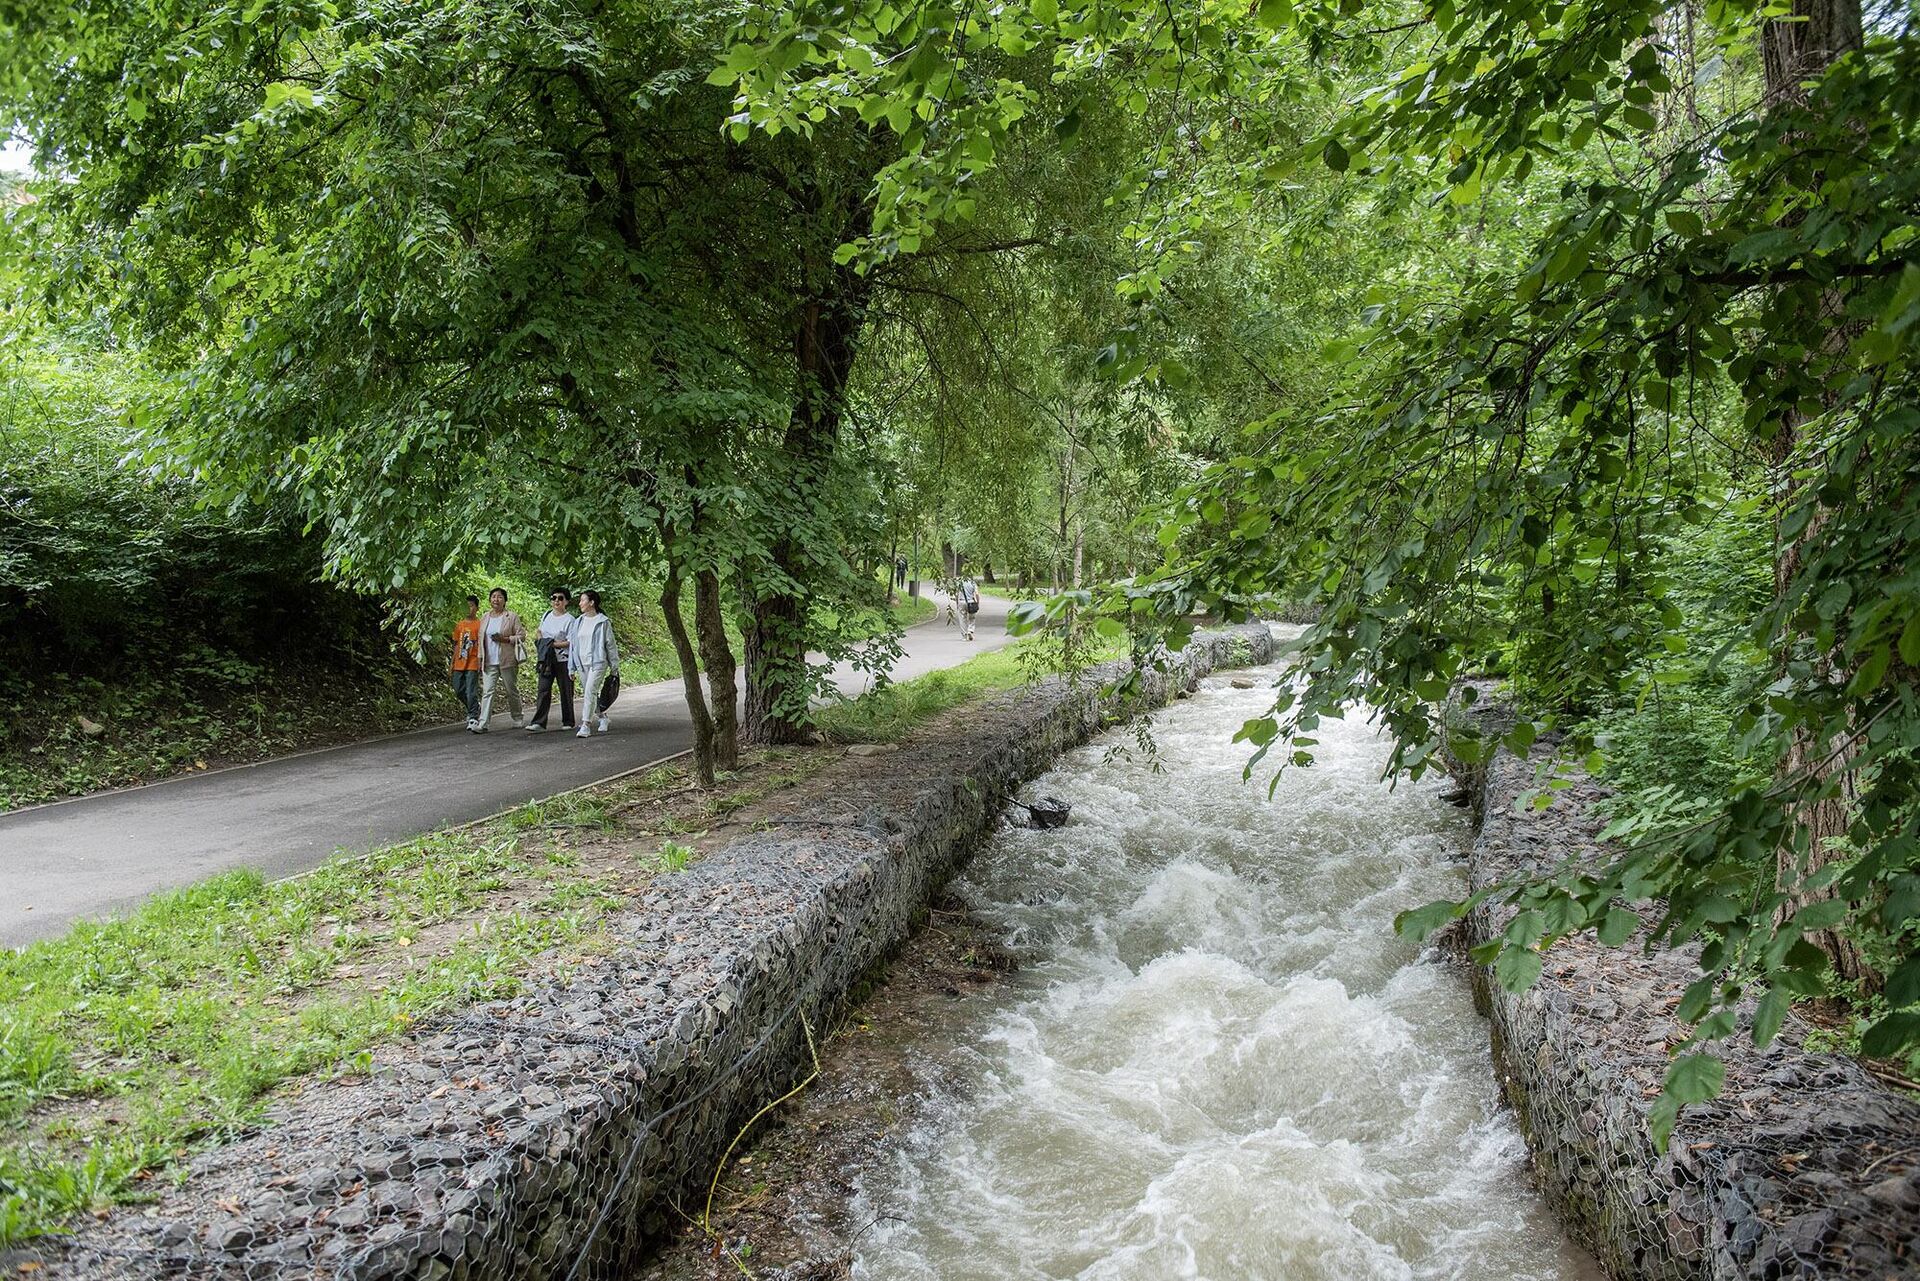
(1217, 1062)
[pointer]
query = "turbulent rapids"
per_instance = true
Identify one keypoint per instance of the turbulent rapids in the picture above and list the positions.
(1218, 1062)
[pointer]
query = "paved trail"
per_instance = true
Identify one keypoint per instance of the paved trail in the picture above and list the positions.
(91, 857)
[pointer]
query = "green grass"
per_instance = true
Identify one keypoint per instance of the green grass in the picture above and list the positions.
(890, 714)
(908, 610)
(126, 1044)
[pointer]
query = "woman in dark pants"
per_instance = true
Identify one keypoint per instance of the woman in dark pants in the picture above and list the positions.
(555, 639)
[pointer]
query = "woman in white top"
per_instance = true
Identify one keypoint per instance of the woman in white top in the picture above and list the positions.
(592, 655)
(503, 637)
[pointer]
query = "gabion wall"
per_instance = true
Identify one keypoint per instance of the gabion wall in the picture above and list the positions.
(1805, 1167)
(544, 1138)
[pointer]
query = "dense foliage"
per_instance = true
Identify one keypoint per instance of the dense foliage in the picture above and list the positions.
(146, 633)
(1572, 343)
(1646, 278)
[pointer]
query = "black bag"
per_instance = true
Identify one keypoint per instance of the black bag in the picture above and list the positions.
(973, 606)
(609, 690)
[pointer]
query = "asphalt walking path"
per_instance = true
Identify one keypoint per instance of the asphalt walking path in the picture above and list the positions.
(94, 856)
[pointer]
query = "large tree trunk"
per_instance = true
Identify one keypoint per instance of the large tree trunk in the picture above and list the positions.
(716, 655)
(690, 677)
(1801, 46)
(826, 341)
(1795, 50)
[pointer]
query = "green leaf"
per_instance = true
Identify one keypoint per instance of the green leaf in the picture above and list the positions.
(1685, 222)
(1769, 1014)
(1617, 926)
(1891, 1036)
(1695, 1078)
(1525, 928)
(1420, 922)
(1823, 915)
(1336, 156)
(1903, 985)
(1275, 14)
(1517, 968)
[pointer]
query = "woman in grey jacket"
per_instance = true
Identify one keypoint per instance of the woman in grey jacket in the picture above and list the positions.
(591, 657)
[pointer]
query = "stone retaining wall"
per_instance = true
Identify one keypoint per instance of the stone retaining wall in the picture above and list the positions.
(546, 1137)
(1805, 1167)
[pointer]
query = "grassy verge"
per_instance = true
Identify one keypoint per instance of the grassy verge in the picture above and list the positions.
(908, 610)
(890, 714)
(126, 1045)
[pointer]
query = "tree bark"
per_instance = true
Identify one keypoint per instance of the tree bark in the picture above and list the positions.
(716, 655)
(690, 677)
(826, 343)
(1795, 50)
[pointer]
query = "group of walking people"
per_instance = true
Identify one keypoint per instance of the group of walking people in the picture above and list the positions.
(570, 650)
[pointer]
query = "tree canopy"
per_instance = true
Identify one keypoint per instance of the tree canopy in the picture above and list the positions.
(1570, 343)
(1663, 281)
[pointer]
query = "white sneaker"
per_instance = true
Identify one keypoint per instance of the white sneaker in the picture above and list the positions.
(586, 731)
(533, 728)
(603, 724)
(469, 724)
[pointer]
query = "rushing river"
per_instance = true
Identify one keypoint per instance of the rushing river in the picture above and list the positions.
(1218, 1062)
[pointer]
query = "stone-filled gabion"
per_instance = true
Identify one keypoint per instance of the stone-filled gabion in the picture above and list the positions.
(543, 1138)
(1805, 1167)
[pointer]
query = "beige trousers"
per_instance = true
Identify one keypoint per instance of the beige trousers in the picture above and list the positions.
(497, 674)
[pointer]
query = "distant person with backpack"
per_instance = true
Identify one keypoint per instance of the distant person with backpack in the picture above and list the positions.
(503, 647)
(552, 642)
(463, 664)
(968, 594)
(595, 660)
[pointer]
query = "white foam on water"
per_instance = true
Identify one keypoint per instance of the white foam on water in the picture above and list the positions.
(1220, 1063)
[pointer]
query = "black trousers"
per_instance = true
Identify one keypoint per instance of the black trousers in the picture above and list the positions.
(551, 672)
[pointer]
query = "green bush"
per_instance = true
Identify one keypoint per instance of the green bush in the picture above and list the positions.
(145, 632)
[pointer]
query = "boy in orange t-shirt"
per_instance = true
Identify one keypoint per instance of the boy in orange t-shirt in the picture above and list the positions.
(464, 665)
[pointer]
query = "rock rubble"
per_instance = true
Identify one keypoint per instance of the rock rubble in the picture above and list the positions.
(1805, 1167)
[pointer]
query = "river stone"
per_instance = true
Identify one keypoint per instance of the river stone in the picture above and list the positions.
(1049, 811)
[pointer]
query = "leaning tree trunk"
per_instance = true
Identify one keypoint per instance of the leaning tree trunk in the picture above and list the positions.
(1795, 50)
(716, 655)
(690, 676)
